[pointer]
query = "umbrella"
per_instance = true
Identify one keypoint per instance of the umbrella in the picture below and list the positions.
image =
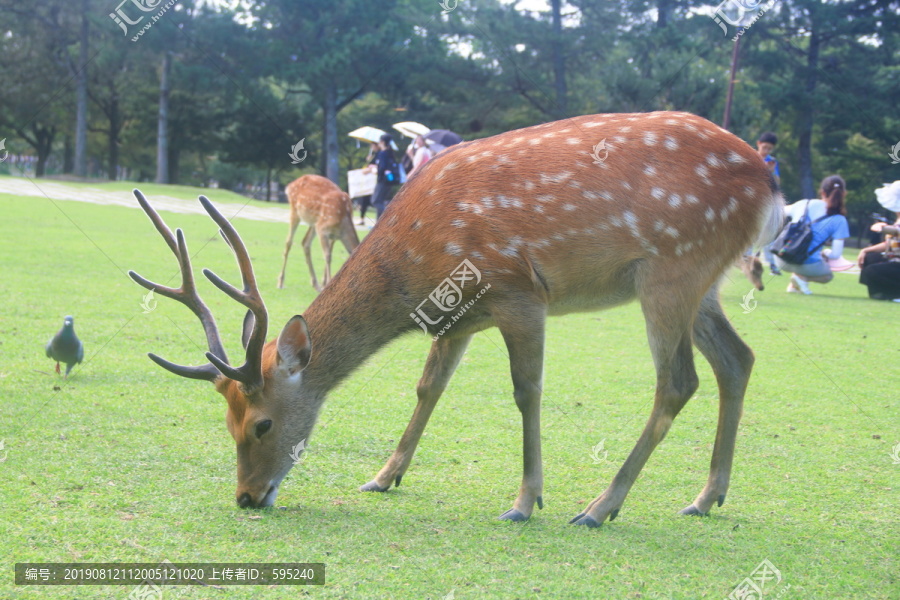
(442, 138)
(889, 196)
(411, 128)
(370, 135)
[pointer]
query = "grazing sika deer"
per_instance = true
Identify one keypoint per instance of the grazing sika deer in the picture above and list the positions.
(752, 268)
(507, 231)
(327, 210)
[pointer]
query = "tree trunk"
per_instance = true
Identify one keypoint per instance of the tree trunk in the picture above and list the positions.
(269, 184)
(43, 147)
(559, 64)
(81, 95)
(807, 118)
(332, 166)
(115, 128)
(68, 156)
(162, 136)
(663, 8)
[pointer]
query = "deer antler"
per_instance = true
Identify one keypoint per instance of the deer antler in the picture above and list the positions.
(250, 373)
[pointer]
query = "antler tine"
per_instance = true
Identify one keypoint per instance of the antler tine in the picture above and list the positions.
(186, 294)
(250, 373)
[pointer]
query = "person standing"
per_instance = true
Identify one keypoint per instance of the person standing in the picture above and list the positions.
(765, 145)
(828, 221)
(385, 165)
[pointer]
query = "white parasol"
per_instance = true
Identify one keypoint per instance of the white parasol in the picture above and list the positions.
(889, 196)
(370, 135)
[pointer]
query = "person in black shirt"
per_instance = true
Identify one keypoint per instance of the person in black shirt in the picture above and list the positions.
(388, 174)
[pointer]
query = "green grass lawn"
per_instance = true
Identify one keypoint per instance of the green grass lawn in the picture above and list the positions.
(125, 462)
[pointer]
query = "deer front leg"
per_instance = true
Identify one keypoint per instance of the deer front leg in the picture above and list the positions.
(731, 361)
(307, 250)
(327, 244)
(287, 246)
(676, 383)
(442, 362)
(525, 342)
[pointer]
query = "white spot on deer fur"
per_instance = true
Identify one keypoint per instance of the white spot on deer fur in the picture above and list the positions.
(632, 221)
(416, 224)
(671, 143)
(574, 184)
(557, 237)
(650, 138)
(678, 250)
(671, 122)
(626, 185)
(713, 160)
(477, 254)
(453, 249)
(569, 207)
(615, 221)
(534, 141)
(540, 244)
(573, 141)
(671, 232)
(688, 126)
(606, 196)
(545, 198)
(594, 123)
(631, 119)
(692, 199)
(415, 258)
(702, 171)
(529, 185)
(625, 129)
(749, 192)
(658, 226)
(657, 193)
(710, 214)
(487, 202)
(618, 139)
(734, 157)
(538, 208)
(649, 171)
(560, 178)
(458, 223)
(590, 195)
(649, 247)
(674, 200)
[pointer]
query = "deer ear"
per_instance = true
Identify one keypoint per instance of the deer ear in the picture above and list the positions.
(293, 344)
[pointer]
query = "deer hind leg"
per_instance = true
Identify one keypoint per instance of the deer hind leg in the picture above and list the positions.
(524, 339)
(327, 244)
(668, 329)
(295, 220)
(442, 362)
(307, 251)
(731, 360)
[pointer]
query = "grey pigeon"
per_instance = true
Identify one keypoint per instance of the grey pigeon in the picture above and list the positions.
(65, 346)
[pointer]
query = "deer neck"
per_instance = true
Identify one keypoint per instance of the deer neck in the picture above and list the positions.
(358, 312)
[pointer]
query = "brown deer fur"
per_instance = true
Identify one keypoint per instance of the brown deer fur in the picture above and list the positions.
(327, 209)
(554, 229)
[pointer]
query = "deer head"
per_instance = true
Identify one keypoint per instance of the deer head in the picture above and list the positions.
(256, 392)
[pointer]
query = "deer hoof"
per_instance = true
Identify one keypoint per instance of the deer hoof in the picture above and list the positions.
(585, 519)
(373, 486)
(692, 511)
(513, 515)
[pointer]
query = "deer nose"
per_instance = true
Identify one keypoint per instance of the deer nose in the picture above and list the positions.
(245, 501)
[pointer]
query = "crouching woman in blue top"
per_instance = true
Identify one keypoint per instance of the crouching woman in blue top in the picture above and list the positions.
(828, 222)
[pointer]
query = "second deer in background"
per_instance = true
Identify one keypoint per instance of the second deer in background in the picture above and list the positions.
(326, 208)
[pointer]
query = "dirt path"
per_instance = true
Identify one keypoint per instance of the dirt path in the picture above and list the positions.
(62, 191)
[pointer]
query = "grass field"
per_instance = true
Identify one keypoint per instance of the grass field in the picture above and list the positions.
(125, 462)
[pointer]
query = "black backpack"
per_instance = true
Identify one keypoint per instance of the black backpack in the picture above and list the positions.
(793, 243)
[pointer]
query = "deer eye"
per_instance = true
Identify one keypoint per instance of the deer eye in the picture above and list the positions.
(262, 427)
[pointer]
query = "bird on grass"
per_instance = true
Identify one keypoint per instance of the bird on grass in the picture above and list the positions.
(65, 346)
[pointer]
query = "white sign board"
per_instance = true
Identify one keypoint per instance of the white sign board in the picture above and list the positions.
(361, 184)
